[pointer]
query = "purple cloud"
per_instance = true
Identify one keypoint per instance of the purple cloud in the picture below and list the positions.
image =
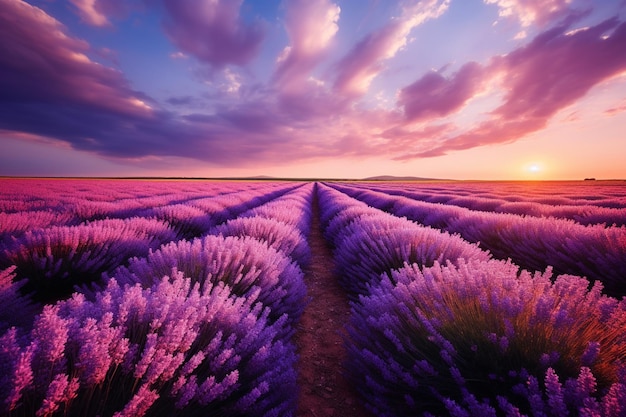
(559, 67)
(213, 31)
(435, 96)
(50, 87)
(552, 72)
(40, 63)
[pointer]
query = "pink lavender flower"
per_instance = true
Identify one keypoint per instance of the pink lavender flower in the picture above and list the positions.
(17, 309)
(60, 392)
(155, 370)
(247, 266)
(278, 235)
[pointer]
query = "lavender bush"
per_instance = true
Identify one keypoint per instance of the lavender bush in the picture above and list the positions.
(245, 264)
(163, 351)
(483, 338)
(379, 245)
(293, 208)
(16, 224)
(55, 260)
(188, 221)
(17, 309)
(276, 234)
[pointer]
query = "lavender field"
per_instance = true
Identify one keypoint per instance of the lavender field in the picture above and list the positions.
(184, 298)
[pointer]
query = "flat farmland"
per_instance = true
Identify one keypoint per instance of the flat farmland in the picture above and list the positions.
(316, 298)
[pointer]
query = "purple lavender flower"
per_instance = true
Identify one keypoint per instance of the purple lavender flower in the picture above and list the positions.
(276, 234)
(467, 310)
(534, 243)
(249, 267)
(55, 260)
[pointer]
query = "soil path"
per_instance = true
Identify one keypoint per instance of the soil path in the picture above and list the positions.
(324, 392)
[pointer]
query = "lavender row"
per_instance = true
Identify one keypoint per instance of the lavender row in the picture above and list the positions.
(257, 256)
(596, 252)
(293, 209)
(482, 338)
(57, 195)
(610, 194)
(201, 213)
(172, 349)
(251, 270)
(473, 336)
(70, 206)
(583, 212)
(194, 218)
(283, 224)
(369, 243)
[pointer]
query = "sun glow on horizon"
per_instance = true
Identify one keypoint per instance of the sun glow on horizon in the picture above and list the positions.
(534, 169)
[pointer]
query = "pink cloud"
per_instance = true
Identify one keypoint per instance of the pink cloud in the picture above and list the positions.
(552, 72)
(213, 31)
(41, 62)
(366, 59)
(529, 12)
(557, 68)
(311, 26)
(98, 12)
(616, 109)
(433, 95)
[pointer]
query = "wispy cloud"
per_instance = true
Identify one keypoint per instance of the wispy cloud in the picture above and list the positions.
(311, 26)
(366, 59)
(530, 12)
(99, 12)
(213, 31)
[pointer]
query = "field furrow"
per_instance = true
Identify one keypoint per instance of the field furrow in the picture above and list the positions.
(324, 391)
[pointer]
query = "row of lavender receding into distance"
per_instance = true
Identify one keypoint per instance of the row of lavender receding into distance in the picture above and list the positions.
(185, 307)
(439, 328)
(546, 200)
(535, 243)
(134, 298)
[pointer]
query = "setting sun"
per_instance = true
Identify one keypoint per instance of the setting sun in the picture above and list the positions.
(533, 169)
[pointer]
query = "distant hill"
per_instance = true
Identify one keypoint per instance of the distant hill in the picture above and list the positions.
(393, 178)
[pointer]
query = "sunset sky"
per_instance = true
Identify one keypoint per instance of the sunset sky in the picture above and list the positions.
(464, 89)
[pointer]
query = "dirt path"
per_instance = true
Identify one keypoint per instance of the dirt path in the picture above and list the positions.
(324, 392)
